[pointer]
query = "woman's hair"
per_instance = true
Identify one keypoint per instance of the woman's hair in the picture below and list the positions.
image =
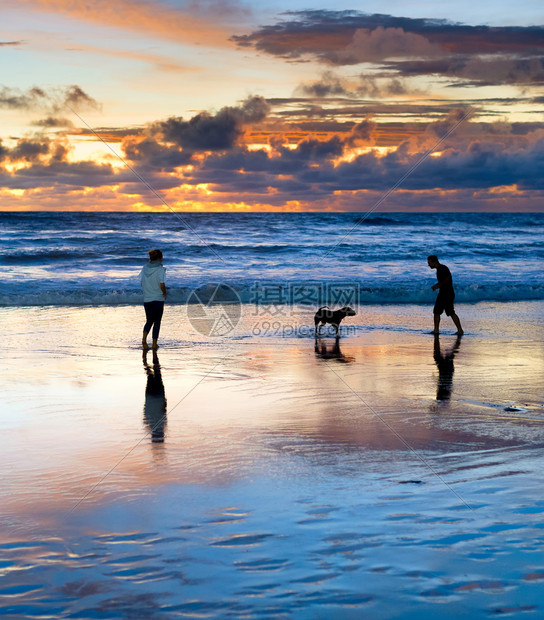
(155, 255)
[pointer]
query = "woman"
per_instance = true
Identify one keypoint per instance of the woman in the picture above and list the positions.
(152, 277)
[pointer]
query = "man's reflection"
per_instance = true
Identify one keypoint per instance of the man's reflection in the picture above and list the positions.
(155, 399)
(444, 363)
(332, 353)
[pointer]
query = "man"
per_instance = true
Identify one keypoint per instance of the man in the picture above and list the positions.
(446, 294)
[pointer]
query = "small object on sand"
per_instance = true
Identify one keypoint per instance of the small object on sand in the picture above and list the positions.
(513, 408)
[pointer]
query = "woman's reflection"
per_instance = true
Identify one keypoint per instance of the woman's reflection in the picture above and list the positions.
(155, 399)
(444, 363)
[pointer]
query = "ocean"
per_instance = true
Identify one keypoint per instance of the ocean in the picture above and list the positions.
(82, 258)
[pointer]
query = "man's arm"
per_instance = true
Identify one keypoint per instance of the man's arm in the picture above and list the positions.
(446, 280)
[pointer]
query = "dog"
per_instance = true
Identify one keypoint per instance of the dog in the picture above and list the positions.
(334, 317)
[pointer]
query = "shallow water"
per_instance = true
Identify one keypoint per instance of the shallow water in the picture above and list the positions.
(377, 479)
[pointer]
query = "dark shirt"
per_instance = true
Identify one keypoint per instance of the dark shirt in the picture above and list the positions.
(443, 273)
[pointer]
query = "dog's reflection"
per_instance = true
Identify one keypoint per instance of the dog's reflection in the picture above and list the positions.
(155, 399)
(331, 353)
(444, 363)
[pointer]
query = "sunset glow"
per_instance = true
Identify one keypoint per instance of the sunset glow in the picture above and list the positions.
(226, 105)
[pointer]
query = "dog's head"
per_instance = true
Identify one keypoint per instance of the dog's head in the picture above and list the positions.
(347, 311)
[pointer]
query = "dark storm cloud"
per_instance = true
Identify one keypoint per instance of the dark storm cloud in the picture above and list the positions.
(482, 165)
(165, 145)
(46, 165)
(155, 155)
(312, 172)
(207, 132)
(406, 46)
(75, 175)
(29, 150)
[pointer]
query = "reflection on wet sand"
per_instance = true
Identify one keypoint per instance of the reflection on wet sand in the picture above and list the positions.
(444, 363)
(334, 352)
(155, 399)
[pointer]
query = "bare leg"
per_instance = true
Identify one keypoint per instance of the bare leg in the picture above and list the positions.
(144, 341)
(154, 345)
(436, 323)
(457, 322)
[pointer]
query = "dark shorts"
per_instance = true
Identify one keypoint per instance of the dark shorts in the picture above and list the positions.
(444, 303)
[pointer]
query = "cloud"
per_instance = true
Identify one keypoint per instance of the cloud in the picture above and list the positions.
(76, 98)
(325, 33)
(381, 43)
(332, 85)
(216, 150)
(52, 100)
(154, 154)
(159, 61)
(210, 132)
(477, 70)
(80, 174)
(315, 169)
(191, 24)
(29, 150)
(110, 134)
(51, 122)
(454, 118)
(11, 43)
(329, 85)
(38, 149)
(362, 133)
(406, 46)
(12, 98)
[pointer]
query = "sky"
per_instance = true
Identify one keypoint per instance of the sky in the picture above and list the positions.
(227, 105)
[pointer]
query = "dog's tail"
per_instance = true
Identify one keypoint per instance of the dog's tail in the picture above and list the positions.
(323, 307)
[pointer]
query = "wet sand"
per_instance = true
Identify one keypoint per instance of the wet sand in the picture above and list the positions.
(392, 476)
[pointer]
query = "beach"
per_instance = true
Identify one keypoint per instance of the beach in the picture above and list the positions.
(259, 474)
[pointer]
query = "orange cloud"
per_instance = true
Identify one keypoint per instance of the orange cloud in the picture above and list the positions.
(153, 18)
(161, 62)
